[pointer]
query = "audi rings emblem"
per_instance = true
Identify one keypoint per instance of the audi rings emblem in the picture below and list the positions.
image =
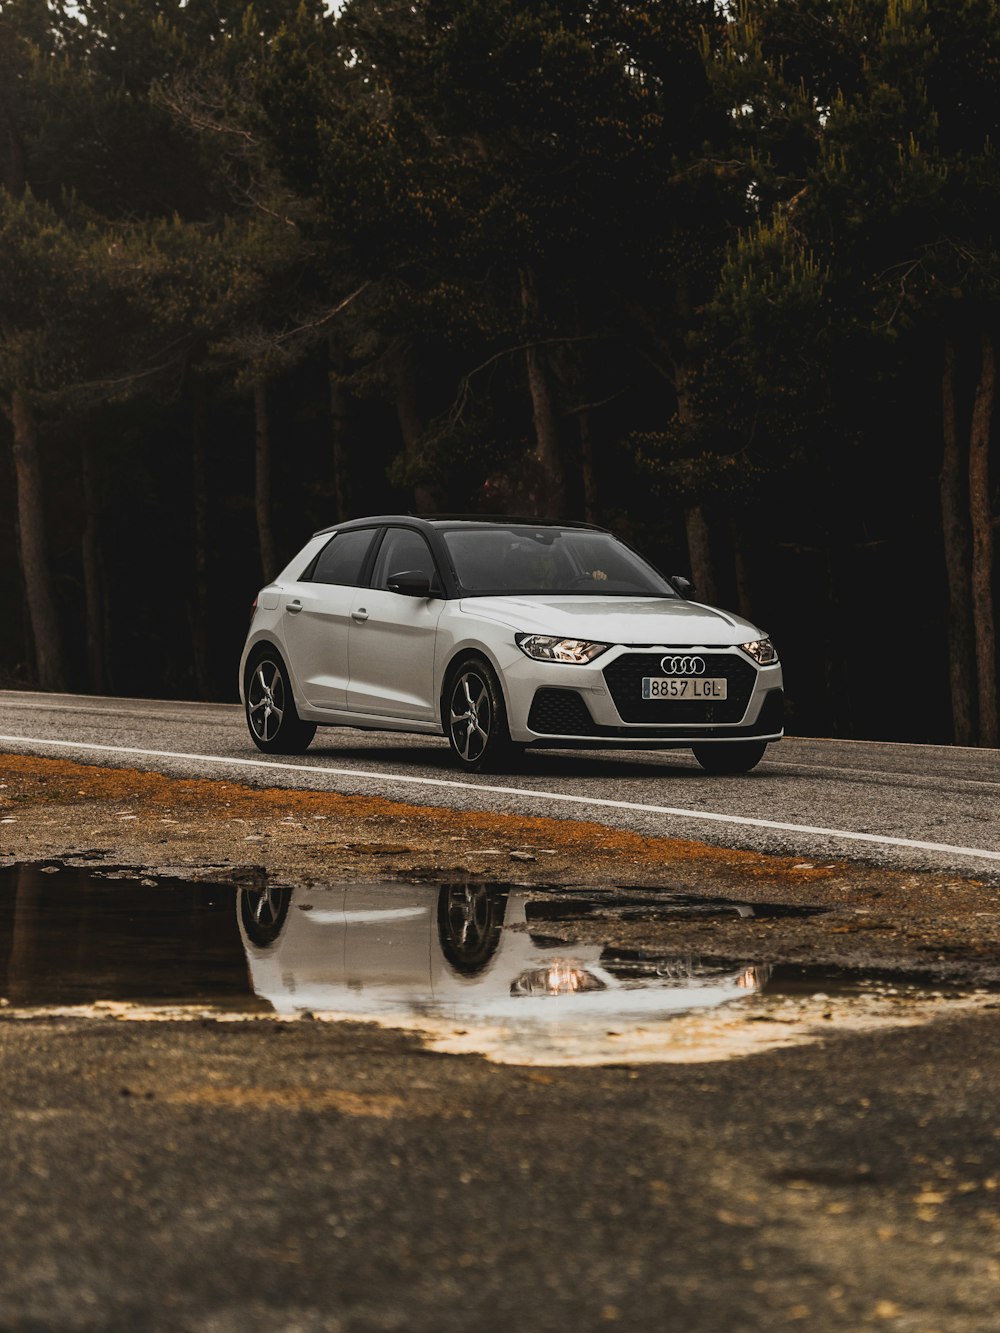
(683, 666)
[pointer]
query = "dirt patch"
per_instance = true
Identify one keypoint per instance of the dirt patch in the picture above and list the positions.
(49, 806)
(935, 925)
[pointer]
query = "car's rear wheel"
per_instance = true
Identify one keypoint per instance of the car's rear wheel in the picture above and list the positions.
(263, 913)
(275, 727)
(730, 756)
(475, 718)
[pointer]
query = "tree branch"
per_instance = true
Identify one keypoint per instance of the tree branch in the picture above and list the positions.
(310, 326)
(465, 383)
(590, 407)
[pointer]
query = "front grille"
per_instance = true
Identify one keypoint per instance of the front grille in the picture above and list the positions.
(560, 713)
(624, 680)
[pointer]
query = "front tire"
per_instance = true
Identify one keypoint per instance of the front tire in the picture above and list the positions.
(470, 922)
(475, 718)
(274, 725)
(730, 756)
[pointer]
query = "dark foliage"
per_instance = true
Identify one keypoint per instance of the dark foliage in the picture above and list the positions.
(724, 278)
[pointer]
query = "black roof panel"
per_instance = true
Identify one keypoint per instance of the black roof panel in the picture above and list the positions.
(448, 520)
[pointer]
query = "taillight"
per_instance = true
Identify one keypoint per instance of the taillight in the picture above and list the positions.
(253, 609)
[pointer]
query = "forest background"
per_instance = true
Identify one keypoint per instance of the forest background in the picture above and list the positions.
(722, 277)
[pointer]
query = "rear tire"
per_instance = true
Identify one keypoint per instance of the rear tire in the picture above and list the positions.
(730, 756)
(475, 718)
(274, 725)
(263, 913)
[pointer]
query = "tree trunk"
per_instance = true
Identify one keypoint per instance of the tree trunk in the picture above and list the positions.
(837, 671)
(12, 157)
(34, 552)
(32, 545)
(199, 488)
(262, 482)
(547, 451)
(954, 495)
(588, 469)
(982, 545)
(338, 434)
(696, 524)
(411, 424)
(93, 582)
(700, 554)
(744, 603)
(24, 940)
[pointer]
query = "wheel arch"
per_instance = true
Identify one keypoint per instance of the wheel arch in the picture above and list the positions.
(461, 654)
(260, 648)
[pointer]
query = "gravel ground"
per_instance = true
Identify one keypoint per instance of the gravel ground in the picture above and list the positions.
(217, 1175)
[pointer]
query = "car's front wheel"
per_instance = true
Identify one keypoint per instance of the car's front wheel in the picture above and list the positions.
(475, 718)
(275, 727)
(730, 756)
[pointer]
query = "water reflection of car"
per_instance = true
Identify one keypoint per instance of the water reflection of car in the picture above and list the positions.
(474, 951)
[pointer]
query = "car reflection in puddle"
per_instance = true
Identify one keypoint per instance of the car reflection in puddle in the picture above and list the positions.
(470, 967)
(466, 960)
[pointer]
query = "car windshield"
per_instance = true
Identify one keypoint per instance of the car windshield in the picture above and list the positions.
(569, 561)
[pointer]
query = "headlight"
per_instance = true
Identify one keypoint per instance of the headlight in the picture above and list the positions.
(762, 651)
(752, 979)
(547, 648)
(559, 978)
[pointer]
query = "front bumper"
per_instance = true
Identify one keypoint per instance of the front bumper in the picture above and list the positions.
(601, 703)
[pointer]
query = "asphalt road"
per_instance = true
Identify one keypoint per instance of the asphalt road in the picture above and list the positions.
(914, 805)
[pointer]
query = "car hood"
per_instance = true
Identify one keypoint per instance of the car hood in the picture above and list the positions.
(640, 620)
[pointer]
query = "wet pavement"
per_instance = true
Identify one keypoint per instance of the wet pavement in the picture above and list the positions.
(470, 967)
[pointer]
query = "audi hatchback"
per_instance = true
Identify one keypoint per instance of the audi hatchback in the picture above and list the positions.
(502, 633)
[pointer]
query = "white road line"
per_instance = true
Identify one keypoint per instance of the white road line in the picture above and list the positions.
(771, 764)
(521, 792)
(880, 773)
(168, 712)
(17, 698)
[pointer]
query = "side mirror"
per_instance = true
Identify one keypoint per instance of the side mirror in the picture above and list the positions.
(410, 583)
(684, 586)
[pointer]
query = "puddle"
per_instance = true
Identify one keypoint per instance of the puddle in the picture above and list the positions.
(641, 905)
(470, 967)
(73, 936)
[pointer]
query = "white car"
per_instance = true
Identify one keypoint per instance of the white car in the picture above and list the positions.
(502, 633)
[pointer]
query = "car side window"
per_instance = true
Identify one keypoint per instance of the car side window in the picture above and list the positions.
(403, 549)
(342, 558)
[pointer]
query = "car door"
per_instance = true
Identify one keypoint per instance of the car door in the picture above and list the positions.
(392, 635)
(316, 618)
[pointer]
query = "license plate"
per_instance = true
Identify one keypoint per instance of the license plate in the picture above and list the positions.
(684, 687)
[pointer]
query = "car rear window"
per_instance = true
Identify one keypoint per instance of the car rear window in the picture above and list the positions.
(342, 558)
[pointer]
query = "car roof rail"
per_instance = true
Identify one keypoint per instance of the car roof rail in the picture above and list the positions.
(521, 520)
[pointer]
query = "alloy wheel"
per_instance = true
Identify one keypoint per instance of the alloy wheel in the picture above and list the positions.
(471, 716)
(263, 912)
(266, 700)
(265, 907)
(470, 920)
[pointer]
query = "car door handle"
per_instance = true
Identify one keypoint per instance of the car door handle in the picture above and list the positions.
(359, 614)
(295, 607)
